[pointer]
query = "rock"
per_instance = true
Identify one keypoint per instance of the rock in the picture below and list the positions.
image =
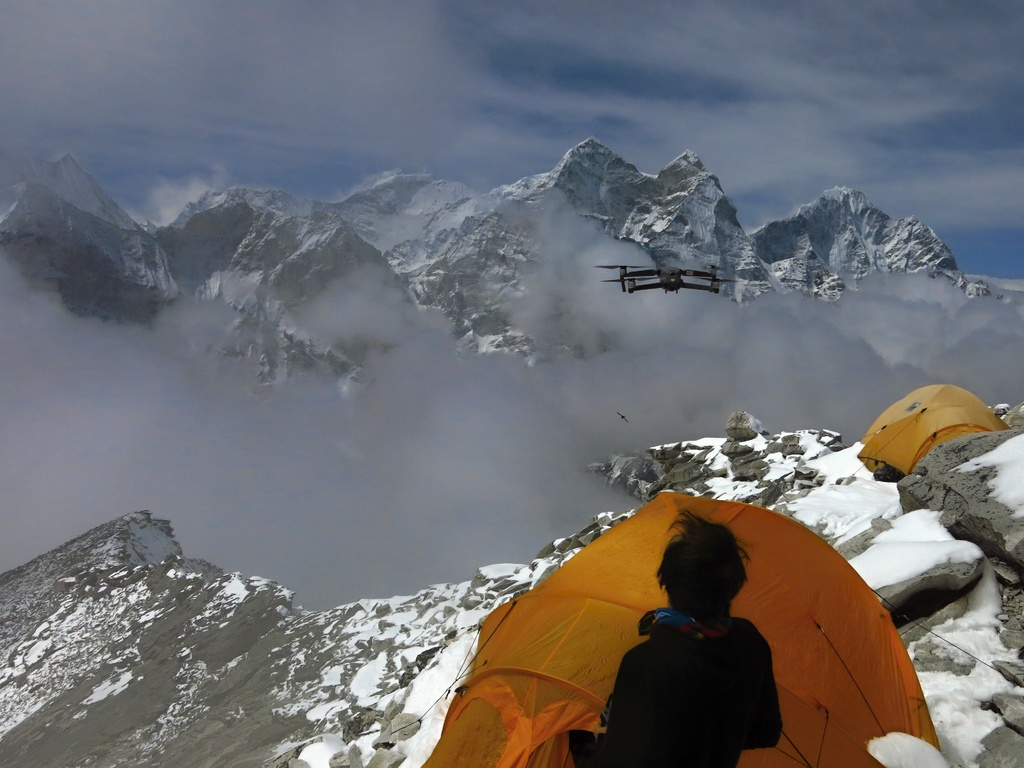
(933, 655)
(1011, 707)
(965, 498)
(1015, 416)
(750, 471)
(404, 725)
(741, 426)
(735, 448)
(355, 757)
(859, 544)
(1007, 576)
(1012, 671)
(636, 474)
(1003, 749)
(921, 628)
(385, 758)
(945, 579)
(1013, 639)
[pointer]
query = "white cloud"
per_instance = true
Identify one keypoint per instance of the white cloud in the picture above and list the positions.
(440, 463)
(170, 196)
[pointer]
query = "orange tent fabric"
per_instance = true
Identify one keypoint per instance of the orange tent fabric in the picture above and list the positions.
(909, 428)
(546, 662)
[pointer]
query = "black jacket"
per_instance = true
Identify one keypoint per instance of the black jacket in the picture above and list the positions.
(683, 701)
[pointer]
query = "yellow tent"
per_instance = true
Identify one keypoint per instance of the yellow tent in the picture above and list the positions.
(909, 428)
(546, 662)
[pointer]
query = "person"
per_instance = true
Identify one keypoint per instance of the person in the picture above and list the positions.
(701, 688)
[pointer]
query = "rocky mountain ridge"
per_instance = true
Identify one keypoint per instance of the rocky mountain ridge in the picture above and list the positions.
(266, 254)
(117, 650)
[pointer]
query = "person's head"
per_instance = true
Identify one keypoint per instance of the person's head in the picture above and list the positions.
(702, 568)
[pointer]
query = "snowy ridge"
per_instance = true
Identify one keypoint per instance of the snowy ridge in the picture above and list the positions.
(272, 200)
(464, 253)
(177, 664)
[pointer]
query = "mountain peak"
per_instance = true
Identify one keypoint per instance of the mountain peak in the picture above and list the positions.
(588, 151)
(590, 170)
(144, 539)
(259, 199)
(688, 158)
(683, 168)
(134, 539)
(66, 179)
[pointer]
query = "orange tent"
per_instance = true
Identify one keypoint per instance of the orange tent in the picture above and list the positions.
(912, 426)
(546, 662)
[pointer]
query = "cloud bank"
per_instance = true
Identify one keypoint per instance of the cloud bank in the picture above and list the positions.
(435, 464)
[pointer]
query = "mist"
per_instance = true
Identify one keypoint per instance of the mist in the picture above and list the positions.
(430, 464)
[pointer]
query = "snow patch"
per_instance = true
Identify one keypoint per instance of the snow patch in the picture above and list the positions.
(109, 688)
(914, 545)
(901, 750)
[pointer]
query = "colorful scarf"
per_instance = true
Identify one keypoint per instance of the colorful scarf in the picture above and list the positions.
(686, 624)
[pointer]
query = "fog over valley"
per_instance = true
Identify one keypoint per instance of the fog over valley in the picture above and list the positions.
(431, 463)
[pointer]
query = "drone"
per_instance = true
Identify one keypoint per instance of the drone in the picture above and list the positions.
(667, 278)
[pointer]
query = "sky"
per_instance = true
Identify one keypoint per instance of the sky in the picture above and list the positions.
(918, 104)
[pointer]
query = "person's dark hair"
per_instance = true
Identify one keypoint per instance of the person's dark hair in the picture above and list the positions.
(702, 568)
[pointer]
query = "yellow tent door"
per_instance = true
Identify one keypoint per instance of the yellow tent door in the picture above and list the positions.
(909, 428)
(546, 662)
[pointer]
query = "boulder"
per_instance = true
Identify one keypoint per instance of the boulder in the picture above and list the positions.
(1014, 416)
(965, 498)
(1011, 670)
(938, 586)
(385, 758)
(741, 426)
(1011, 707)
(1003, 749)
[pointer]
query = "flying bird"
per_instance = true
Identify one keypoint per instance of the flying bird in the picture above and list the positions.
(623, 417)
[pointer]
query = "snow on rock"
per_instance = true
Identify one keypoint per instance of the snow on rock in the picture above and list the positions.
(1008, 483)
(975, 480)
(916, 554)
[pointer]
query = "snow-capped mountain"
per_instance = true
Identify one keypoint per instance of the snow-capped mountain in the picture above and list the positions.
(66, 179)
(249, 252)
(267, 254)
(682, 215)
(842, 235)
(116, 650)
(64, 232)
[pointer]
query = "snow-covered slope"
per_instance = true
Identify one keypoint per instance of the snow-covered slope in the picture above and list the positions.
(118, 651)
(65, 178)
